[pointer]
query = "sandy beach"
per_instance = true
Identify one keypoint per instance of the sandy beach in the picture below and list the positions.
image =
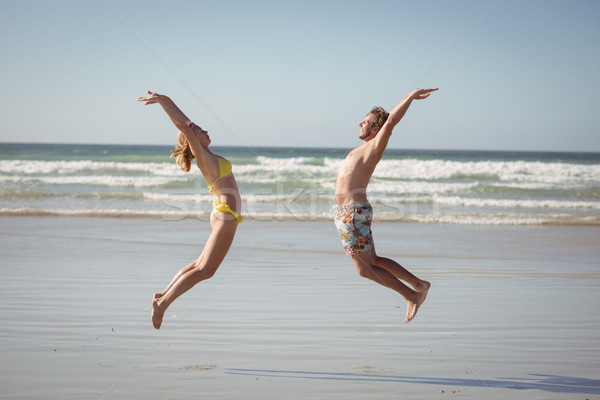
(512, 313)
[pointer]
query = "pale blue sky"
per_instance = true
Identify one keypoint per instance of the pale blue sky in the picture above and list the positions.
(303, 73)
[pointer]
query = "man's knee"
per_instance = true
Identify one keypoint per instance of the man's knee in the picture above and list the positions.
(376, 259)
(363, 262)
(366, 271)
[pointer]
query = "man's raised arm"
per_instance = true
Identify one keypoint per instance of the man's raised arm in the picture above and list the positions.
(382, 138)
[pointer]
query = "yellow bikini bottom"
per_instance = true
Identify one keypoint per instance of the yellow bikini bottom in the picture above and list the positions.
(220, 206)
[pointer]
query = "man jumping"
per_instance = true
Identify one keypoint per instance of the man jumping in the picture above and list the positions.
(354, 214)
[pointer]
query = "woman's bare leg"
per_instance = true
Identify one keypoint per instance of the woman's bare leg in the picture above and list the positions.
(215, 250)
(182, 271)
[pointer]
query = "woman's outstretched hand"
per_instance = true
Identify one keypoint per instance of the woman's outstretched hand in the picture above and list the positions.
(153, 98)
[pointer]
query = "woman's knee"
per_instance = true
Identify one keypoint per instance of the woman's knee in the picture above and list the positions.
(203, 271)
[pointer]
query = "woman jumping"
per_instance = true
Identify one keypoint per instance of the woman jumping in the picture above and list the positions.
(192, 143)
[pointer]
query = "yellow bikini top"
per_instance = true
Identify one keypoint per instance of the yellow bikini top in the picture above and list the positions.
(224, 170)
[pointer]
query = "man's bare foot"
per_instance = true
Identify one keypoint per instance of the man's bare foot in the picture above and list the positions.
(421, 295)
(423, 289)
(412, 307)
(157, 312)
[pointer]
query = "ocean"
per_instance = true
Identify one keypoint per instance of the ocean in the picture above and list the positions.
(418, 186)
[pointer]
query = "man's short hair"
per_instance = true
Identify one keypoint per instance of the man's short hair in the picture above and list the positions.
(380, 116)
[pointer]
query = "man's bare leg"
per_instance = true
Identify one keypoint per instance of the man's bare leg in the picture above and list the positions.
(402, 273)
(366, 268)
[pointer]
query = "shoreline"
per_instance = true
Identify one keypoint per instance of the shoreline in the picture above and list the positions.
(480, 220)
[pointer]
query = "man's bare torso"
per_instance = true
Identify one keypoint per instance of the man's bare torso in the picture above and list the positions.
(355, 174)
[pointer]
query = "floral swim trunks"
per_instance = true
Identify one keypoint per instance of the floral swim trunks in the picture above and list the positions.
(353, 223)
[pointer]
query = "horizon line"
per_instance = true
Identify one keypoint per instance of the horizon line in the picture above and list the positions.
(310, 147)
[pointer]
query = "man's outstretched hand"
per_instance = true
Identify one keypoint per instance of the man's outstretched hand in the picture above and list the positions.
(419, 94)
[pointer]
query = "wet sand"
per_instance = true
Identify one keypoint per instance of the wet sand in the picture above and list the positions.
(512, 313)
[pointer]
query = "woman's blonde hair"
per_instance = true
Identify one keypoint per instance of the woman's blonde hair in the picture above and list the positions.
(183, 152)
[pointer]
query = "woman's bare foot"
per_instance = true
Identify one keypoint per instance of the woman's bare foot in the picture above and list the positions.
(157, 312)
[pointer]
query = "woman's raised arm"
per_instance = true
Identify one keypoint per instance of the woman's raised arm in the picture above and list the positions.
(179, 119)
